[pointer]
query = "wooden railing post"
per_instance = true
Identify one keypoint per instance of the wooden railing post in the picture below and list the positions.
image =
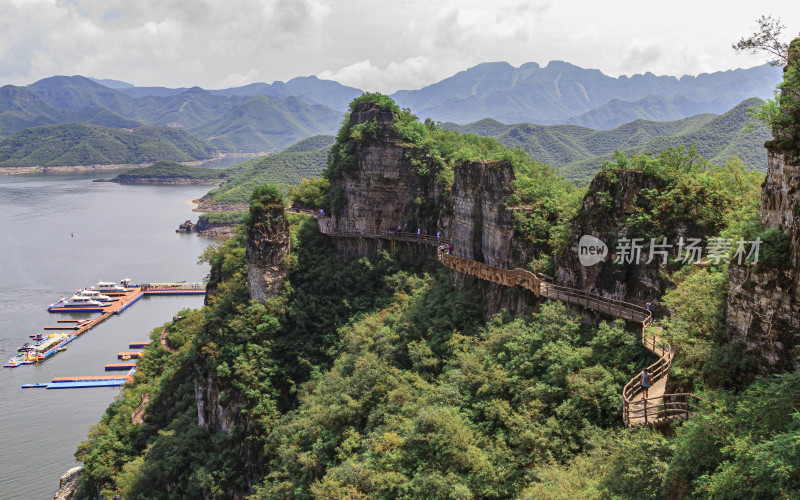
(644, 400)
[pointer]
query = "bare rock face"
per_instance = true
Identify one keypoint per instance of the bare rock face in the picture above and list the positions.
(68, 486)
(384, 191)
(602, 215)
(267, 246)
(482, 226)
(764, 303)
(211, 414)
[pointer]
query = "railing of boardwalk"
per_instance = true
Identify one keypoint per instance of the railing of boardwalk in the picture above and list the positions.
(636, 410)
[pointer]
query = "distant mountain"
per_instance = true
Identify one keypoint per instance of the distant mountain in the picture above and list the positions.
(307, 88)
(22, 107)
(579, 151)
(189, 109)
(266, 124)
(80, 144)
(77, 92)
(112, 84)
(564, 93)
(231, 121)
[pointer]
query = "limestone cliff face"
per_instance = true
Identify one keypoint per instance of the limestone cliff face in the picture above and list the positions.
(384, 191)
(602, 215)
(211, 414)
(482, 226)
(763, 302)
(267, 246)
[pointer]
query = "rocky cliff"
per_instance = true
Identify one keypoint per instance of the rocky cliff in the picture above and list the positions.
(764, 301)
(611, 198)
(385, 191)
(267, 247)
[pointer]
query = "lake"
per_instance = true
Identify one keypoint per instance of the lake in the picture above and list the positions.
(59, 232)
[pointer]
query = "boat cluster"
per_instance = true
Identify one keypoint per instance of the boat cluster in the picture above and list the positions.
(95, 296)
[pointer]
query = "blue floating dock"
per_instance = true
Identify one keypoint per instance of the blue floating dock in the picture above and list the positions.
(126, 365)
(139, 345)
(87, 383)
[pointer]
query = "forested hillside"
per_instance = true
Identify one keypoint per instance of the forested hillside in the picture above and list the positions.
(79, 144)
(578, 152)
(381, 375)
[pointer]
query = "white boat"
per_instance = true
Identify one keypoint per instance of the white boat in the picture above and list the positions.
(95, 295)
(79, 301)
(108, 287)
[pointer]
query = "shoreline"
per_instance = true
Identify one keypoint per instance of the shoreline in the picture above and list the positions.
(39, 169)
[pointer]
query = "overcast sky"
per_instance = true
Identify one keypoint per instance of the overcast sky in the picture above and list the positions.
(370, 44)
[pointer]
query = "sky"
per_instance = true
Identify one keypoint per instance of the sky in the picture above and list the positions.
(372, 45)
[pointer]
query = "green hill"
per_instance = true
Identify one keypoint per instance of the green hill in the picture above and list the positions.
(579, 151)
(171, 171)
(289, 166)
(264, 123)
(79, 144)
(22, 108)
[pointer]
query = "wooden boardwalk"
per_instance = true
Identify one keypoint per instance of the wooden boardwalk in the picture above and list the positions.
(658, 407)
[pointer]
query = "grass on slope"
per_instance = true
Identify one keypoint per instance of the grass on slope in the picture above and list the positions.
(80, 144)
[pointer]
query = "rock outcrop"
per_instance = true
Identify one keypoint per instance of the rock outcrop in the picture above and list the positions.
(68, 486)
(267, 246)
(610, 200)
(385, 191)
(764, 300)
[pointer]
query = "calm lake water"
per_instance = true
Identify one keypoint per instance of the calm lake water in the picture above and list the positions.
(60, 232)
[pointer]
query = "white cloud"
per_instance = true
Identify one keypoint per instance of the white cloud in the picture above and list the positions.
(372, 45)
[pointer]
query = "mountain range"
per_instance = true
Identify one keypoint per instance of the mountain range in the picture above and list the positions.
(562, 93)
(263, 117)
(579, 151)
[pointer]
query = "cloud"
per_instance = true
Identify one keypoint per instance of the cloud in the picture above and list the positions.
(640, 56)
(409, 73)
(156, 42)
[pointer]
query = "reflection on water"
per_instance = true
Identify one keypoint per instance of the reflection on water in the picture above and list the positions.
(59, 232)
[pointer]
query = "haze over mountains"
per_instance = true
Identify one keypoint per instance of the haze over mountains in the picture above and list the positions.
(263, 117)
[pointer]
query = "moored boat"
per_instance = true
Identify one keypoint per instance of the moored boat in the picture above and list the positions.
(95, 295)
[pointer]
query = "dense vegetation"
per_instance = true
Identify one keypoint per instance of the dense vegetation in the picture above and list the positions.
(398, 390)
(78, 144)
(288, 167)
(377, 377)
(579, 152)
(169, 170)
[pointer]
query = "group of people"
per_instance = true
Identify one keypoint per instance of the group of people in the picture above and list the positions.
(446, 248)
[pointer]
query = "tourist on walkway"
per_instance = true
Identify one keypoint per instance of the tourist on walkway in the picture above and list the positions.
(438, 236)
(646, 378)
(419, 232)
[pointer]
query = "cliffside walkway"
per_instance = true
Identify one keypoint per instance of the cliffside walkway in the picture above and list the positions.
(165, 343)
(659, 407)
(137, 417)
